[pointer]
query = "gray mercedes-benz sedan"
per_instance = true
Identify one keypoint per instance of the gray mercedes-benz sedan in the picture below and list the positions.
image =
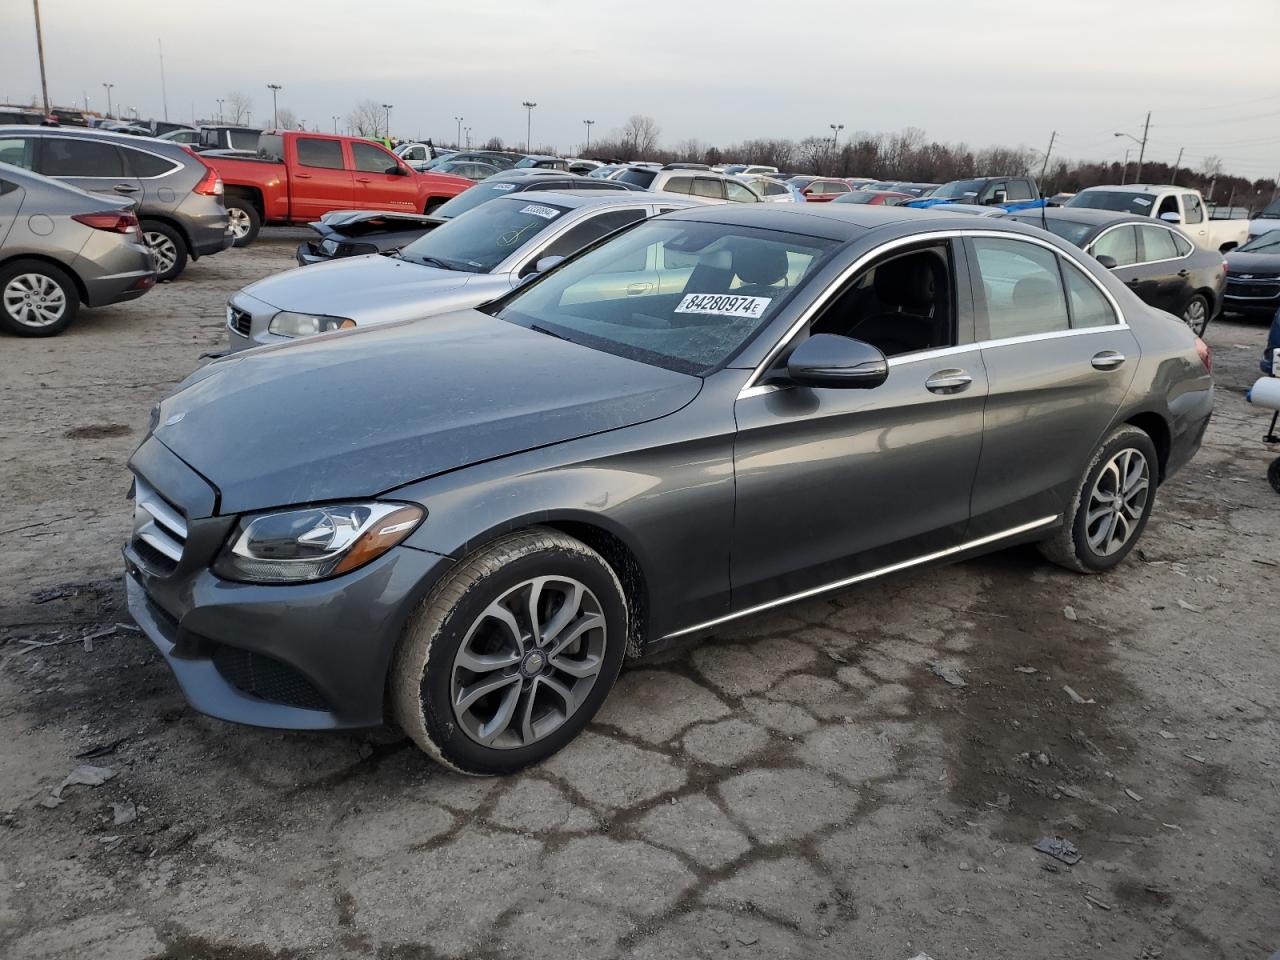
(468, 522)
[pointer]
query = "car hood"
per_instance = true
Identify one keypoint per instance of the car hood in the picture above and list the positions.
(1268, 263)
(368, 288)
(357, 413)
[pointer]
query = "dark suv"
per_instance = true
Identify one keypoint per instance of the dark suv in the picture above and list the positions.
(178, 196)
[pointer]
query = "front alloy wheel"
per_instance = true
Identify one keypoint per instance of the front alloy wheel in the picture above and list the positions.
(511, 654)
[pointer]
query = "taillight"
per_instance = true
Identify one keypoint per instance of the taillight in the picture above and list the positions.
(1205, 355)
(210, 184)
(111, 222)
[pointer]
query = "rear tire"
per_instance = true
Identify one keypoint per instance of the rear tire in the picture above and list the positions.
(484, 687)
(1101, 527)
(168, 248)
(1196, 314)
(37, 299)
(245, 220)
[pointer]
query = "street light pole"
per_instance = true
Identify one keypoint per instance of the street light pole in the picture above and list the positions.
(835, 136)
(335, 124)
(528, 129)
(458, 139)
(387, 107)
(468, 133)
(219, 101)
(1142, 145)
(108, 86)
(587, 148)
(44, 84)
(275, 113)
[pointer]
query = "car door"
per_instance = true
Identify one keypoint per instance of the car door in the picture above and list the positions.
(1059, 360)
(11, 196)
(836, 483)
(1167, 280)
(90, 164)
(379, 181)
(1195, 223)
(320, 179)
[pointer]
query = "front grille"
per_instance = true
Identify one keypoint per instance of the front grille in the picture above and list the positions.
(266, 678)
(159, 530)
(239, 320)
(1258, 291)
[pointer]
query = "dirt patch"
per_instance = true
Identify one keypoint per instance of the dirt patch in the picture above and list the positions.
(98, 431)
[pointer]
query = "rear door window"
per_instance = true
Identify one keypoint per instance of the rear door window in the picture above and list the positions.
(19, 151)
(679, 185)
(1089, 308)
(314, 152)
(147, 165)
(1157, 244)
(65, 157)
(707, 187)
(1021, 287)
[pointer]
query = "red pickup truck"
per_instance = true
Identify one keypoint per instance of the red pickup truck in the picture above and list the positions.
(298, 177)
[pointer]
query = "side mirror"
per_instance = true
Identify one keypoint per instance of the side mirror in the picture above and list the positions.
(827, 360)
(398, 171)
(1171, 217)
(1108, 262)
(547, 263)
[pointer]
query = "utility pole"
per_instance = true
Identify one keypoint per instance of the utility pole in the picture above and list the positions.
(1176, 164)
(108, 86)
(44, 84)
(1275, 188)
(528, 129)
(588, 124)
(1146, 127)
(1124, 174)
(458, 140)
(387, 107)
(1044, 167)
(275, 114)
(164, 96)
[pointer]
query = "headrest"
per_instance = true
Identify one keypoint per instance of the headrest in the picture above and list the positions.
(759, 264)
(910, 281)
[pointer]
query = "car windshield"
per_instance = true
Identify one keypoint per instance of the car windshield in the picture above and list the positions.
(1271, 211)
(474, 196)
(958, 190)
(488, 235)
(1068, 230)
(1268, 242)
(1122, 201)
(681, 295)
(638, 177)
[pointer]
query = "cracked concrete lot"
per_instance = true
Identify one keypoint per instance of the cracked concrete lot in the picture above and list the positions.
(805, 785)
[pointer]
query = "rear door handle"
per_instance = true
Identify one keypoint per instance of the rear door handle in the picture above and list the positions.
(1184, 273)
(302, 176)
(1107, 360)
(125, 188)
(638, 289)
(948, 381)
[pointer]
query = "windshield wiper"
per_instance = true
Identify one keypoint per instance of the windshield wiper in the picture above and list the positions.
(434, 262)
(549, 333)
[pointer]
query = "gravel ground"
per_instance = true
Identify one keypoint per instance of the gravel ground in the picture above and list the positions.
(805, 785)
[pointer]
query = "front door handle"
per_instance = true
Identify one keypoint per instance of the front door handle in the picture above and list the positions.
(362, 179)
(638, 289)
(1107, 360)
(1184, 273)
(948, 381)
(125, 188)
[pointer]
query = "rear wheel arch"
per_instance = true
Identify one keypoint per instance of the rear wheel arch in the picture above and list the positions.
(1157, 428)
(252, 194)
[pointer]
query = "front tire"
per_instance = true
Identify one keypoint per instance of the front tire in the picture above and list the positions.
(168, 248)
(1196, 314)
(512, 654)
(36, 299)
(245, 220)
(434, 204)
(1111, 506)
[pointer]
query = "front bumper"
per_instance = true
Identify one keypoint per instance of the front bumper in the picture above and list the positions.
(248, 320)
(307, 656)
(1255, 297)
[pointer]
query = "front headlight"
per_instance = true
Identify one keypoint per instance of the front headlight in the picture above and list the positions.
(286, 324)
(313, 543)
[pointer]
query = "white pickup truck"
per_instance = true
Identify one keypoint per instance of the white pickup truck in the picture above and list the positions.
(1179, 206)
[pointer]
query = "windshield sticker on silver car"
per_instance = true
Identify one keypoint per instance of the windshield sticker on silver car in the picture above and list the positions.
(547, 213)
(724, 305)
(503, 186)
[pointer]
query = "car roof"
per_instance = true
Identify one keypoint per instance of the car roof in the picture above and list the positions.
(1079, 215)
(1134, 188)
(167, 147)
(838, 221)
(588, 198)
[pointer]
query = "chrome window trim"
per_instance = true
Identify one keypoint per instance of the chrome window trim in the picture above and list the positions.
(567, 223)
(934, 235)
(869, 575)
(1177, 234)
(177, 165)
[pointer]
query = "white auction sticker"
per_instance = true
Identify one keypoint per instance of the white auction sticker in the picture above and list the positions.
(547, 213)
(504, 186)
(1142, 201)
(724, 304)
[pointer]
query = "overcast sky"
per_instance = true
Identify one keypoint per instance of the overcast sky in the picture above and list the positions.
(980, 71)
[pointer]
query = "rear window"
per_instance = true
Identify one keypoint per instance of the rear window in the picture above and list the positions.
(640, 178)
(271, 147)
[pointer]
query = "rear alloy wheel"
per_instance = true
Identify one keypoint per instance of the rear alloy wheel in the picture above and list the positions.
(167, 247)
(512, 654)
(245, 221)
(1111, 508)
(1196, 315)
(36, 299)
